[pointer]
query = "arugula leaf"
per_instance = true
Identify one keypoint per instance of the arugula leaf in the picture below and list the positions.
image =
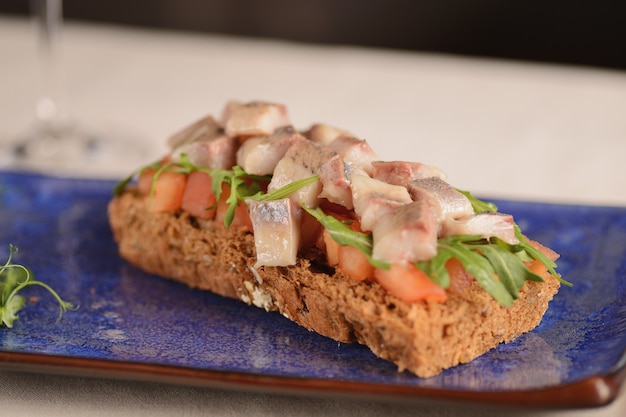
(524, 250)
(435, 268)
(496, 265)
(534, 253)
(219, 177)
(13, 279)
(121, 185)
(481, 269)
(284, 191)
(343, 235)
(479, 206)
(242, 184)
(508, 267)
(479, 266)
(238, 188)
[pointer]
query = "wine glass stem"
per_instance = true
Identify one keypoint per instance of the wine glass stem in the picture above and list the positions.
(49, 109)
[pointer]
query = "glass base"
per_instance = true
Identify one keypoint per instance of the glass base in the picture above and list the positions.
(76, 153)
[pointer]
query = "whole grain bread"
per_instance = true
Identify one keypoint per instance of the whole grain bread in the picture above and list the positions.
(421, 337)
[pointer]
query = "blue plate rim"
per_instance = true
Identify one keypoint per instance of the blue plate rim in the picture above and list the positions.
(592, 391)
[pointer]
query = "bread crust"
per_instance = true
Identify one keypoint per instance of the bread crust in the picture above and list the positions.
(421, 337)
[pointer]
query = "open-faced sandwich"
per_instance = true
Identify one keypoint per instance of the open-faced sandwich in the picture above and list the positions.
(313, 225)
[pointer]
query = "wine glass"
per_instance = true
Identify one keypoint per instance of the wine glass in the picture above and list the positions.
(56, 144)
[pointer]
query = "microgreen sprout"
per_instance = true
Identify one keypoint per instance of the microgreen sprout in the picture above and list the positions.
(13, 279)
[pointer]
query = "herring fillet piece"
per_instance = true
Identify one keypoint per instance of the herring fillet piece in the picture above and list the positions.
(206, 126)
(253, 119)
(402, 172)
(302, 160)
(407, 234)
(452, 204)
(355, 152)
(259, 155)
(335, 178)
(218, 152)
(374, 199)
(276, 225)
(324, 134)
(488, 224)
(205, 144)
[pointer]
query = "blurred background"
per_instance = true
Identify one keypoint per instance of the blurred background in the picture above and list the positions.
(554, 31)
(508, 82)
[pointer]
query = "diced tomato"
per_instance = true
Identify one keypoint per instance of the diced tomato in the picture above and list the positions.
(460, 279)
(408, 283)
(199, 199)
(144, 182)
(241, 220)
(329, 244)
(310, 230)
(354, 264)
(332, 249)
(546, 251)
(347, 259)
(538, 267)
(168, 192)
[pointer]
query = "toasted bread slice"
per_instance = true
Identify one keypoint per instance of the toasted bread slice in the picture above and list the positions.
(423, 337)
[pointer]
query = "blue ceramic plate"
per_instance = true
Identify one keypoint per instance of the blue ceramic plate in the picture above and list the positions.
(134, 325)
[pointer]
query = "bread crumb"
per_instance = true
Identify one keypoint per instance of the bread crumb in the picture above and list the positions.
(260, 298)
(257, 278)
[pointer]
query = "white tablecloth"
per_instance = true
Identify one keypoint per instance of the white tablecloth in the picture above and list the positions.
(500, 129)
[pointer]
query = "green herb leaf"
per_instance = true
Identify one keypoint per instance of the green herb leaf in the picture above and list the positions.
(496, 265)
(242, 184)
(8, 311)
(219, 177)
(237, 188)
(479, 266)
(343, 235)
(508, 267)
(479, 206)
(284, 191)
(120, 186)
(435, 268)
(534, 253)
(13, 279)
